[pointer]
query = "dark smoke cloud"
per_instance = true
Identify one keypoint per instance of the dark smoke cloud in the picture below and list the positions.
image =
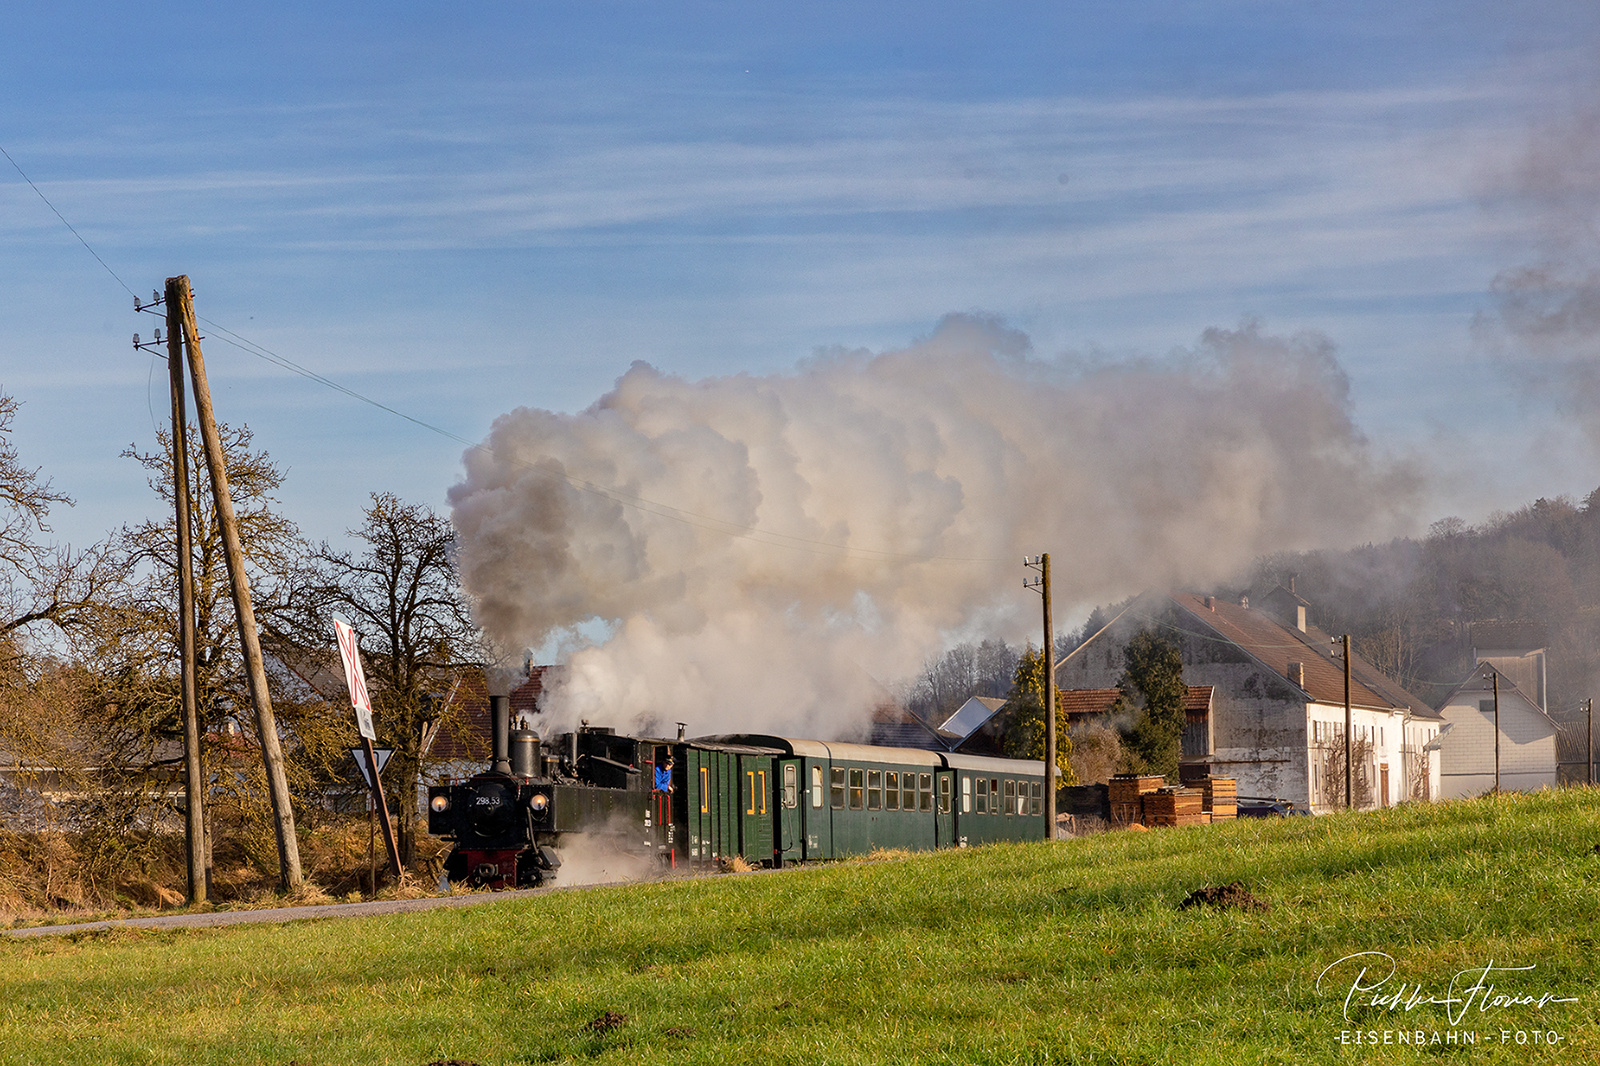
(763, 546)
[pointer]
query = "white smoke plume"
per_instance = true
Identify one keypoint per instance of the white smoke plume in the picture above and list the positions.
(763, 548)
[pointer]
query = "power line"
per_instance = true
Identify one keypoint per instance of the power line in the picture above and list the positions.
(67, 224)
(709, 523)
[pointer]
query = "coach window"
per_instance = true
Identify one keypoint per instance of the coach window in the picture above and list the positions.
(857, 787)
(944, 794)
(874, 790)
(966, 794)
(791, 786)
(1035, 797)
(891, 791)
(908, 792)
(1011, 797)
(925, 792)
(838, 788)
(1022, 797)
(983, 795)
(994, 795)
(816, 787)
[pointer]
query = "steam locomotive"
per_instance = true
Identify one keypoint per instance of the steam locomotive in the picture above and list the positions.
(768, 799)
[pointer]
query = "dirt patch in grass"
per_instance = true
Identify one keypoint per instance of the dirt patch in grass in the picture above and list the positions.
(1232, 895)
(606, 1022)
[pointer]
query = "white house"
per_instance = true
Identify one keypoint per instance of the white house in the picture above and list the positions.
(1277, 717)
(1507, 739)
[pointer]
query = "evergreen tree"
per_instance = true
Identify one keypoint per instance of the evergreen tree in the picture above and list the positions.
(1152, 677)
(1024, 712)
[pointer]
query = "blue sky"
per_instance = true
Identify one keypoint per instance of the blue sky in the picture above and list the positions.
(457, 210)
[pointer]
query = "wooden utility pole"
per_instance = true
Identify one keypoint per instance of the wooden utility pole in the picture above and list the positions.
(1349, 734)
(289, 875)
(194, 819)
(1589, 707)
(1496, 678)
(1042, 583)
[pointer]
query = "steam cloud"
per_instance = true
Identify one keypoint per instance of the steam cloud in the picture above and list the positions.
(763, 548)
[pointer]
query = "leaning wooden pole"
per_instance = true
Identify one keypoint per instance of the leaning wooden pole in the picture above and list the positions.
(289, 875)
(194, 820)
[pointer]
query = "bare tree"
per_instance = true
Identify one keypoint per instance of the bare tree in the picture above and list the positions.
(40, 582)
(132, 643)
(402, 596)
(964, 671)
(1333, 773)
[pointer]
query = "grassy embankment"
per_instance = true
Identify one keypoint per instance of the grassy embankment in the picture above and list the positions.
(1075, 952)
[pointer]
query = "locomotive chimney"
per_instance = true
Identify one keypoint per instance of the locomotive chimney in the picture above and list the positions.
(681, 727)
(500, 720)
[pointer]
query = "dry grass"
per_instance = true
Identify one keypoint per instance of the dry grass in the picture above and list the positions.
(54, 877)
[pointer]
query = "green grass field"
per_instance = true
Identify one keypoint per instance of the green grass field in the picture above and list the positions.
(1072, 952)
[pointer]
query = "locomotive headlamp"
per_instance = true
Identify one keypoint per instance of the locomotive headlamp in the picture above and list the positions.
(439, 804)
(539, 802)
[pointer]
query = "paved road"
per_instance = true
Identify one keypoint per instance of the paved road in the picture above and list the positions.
(281, 914)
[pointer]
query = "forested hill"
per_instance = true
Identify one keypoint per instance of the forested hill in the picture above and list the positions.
(1410, 604)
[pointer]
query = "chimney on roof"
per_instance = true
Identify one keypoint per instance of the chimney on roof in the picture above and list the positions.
(1297, 674)
(1299, 616)
(1211, 603)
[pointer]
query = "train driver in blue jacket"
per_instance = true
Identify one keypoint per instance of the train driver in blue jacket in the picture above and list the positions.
(664, 776)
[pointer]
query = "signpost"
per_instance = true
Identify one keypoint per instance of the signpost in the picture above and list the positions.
(356, 680)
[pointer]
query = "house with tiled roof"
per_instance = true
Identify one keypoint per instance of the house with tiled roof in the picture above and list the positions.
(1274, 718)
(975, 720)
(1084, 706)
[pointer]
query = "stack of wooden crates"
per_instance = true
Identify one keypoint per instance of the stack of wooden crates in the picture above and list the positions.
(1220, 797)
(1149, 800)
(1173, 805)
(1127, 792)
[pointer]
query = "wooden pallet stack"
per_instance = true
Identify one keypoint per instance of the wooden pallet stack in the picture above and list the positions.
(1220, 797)
(1126, 794)
(1173, 805)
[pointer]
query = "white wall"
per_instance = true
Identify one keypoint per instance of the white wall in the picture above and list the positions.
(1391, 735)
(1527, 747)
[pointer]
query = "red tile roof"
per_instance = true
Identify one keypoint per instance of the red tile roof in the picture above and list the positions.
(1088, 700)
(1099, 700)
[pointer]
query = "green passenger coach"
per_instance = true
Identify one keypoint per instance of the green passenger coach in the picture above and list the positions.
(827, 800)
